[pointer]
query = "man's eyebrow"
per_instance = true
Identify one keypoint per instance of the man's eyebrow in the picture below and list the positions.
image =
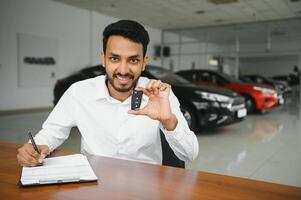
(114, 55)
(130, 57)
(135, 56)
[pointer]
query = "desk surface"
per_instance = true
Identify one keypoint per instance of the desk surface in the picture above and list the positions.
(120, 179)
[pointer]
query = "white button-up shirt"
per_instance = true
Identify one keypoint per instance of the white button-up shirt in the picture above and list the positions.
(108, 130)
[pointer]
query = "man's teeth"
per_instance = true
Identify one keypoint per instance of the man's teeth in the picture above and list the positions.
(123, 78)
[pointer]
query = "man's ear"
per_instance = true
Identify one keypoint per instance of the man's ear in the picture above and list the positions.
(145, 59)
(102, 58)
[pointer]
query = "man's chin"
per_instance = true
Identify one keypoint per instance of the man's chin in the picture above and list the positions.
(123, 89)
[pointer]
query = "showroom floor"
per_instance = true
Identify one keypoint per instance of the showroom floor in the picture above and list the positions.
(264, 146)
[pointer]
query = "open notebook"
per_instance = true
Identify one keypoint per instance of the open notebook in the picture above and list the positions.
(63, 169)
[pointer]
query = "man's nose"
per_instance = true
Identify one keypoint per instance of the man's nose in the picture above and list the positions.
(123, 68)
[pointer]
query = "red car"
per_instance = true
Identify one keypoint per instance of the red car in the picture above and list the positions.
(257, 97)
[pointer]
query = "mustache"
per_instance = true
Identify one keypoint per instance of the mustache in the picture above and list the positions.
(127, 75)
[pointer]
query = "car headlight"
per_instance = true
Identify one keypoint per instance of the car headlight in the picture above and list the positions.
(214, 97)
(264, 90)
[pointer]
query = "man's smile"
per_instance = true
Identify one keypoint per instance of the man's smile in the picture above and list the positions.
(123, 79)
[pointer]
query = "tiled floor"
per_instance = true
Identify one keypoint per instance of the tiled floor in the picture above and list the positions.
(263, 147)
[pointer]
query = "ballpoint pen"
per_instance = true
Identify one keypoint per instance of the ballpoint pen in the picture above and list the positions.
(33, 142)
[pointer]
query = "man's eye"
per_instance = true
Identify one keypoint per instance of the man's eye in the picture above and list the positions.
(134, 60)
(114, 59)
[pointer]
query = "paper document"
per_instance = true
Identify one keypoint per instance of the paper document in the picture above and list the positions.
(63, 169)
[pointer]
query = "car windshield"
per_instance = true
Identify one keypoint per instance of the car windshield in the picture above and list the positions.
(166, 75)
(158, 72)
(174, 78)
(246, 79)
(229, 78)
(262, 79)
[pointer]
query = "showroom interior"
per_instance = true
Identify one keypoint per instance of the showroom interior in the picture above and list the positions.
(232, 37)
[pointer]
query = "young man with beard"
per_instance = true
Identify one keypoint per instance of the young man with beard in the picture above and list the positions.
(101, 108)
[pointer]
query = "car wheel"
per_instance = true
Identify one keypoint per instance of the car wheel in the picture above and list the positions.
(263, 111)
(250, 104)
(189, 116)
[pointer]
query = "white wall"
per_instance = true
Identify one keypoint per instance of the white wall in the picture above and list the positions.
(280, 60)
(269, 66)
(192, 51)
(189, 54)
(78, 31)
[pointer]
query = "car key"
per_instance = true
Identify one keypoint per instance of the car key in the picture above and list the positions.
(136, 99)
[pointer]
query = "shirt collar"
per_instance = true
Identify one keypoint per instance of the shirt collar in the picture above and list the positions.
(102, 91)
(101, 88)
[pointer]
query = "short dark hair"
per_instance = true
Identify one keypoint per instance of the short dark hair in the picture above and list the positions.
(129, 29)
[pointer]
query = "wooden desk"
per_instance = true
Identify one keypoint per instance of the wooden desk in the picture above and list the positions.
(120, 179)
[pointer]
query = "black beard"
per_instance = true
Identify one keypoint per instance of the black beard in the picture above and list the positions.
(111, 80)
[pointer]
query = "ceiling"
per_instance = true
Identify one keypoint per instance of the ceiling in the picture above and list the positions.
(171, 14)
(257, 32)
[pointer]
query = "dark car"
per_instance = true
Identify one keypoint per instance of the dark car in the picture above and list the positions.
(63, 84)
(281, 88)
(291, 79)
(202, 106)
(258, 97)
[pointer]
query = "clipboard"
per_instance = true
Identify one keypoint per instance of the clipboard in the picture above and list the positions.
(59, 170)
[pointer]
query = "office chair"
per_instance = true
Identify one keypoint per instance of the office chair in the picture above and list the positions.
(169, 158)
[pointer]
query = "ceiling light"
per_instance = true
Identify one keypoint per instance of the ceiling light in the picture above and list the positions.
(278, 33)
(199, 12)
(213, 62)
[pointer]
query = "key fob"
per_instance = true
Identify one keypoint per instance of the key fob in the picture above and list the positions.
(136, 99)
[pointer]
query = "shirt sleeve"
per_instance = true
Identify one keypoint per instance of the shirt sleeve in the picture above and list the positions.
(182, 140)
(56, 128)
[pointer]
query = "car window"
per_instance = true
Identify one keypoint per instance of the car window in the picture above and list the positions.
(228, 79)
(174, 79)
(188, 75)
(158, 72)
(204, 76)
(259, 80)
(252, 78)
(247, 79)
(218, 80)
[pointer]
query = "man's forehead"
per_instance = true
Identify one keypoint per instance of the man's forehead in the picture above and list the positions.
(116, 39)
(122, 46)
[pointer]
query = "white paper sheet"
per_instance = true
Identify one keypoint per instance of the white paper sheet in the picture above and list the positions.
(72, 168)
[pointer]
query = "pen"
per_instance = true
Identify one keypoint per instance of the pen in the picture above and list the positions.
(33, 142)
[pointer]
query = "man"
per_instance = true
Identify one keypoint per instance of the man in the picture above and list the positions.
(100, 108)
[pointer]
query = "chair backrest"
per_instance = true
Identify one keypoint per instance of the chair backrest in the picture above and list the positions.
(169, 158)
